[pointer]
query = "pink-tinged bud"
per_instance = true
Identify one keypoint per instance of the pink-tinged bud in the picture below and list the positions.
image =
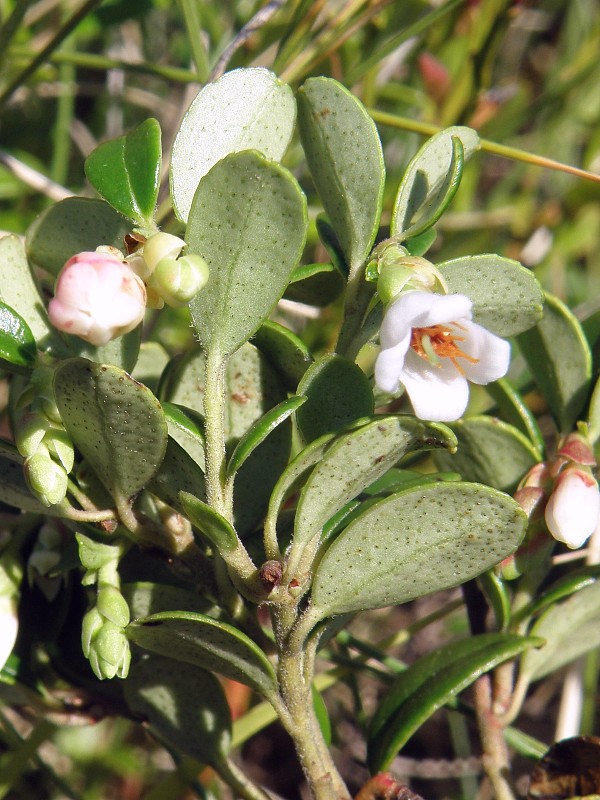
(577, 449)
(98, 298)
(573, 509)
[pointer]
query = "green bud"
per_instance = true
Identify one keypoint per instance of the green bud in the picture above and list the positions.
(46, 479)
(112, 605)
(29, 433)
(95, 555)
(111, 649)
(161, 245)
(90, 627)
(177, 281)
(59, 443)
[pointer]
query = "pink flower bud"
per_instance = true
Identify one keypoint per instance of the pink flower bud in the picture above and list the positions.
(98, 298)
(573, 509)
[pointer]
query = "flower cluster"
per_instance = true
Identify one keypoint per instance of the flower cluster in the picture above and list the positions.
(102, 295)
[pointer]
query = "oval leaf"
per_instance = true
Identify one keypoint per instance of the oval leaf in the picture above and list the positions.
(17, 345)
(286, 352)
(354, 461)
(416, 542)
(208, 643)
(116, 422)
(316, 284)
(260, 430)
(489, 451)
(431, 181)
(248, 220)
(246, 109)
(178, 472)
(570, 630)
(215, 527)
(559, 359)
(126, 172)
(513, 407)
(145, 598)
(73, 225)
(344, 154)
(159, 690)
(338, 392)
(430, 683)
(507, 298)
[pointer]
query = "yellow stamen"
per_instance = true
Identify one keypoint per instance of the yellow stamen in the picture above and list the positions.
(440, 341)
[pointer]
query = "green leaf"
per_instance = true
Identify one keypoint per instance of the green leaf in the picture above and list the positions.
(431, 181)
(514, 408)
(18, 290)
(246, 109)
(419, 245)
(145, 598)
(152, 360)
(564, 587)
(126, 172)
(73, 225)
(430, 683)
(354, 461)
(210, 523)
(570, 630)
(208, 643)
(316, 284)
(594, 414)
(322, 715)
(260, 430)
(331, 243)
(416, 542)
(252, 388)
(187, 420)
(286, 352)
(559, 359)
(506, 297)
(344, 154)
(116, 423)
(177, 472)
(121, 352)
(338, 392)
(13, 486)
(17, 345)
(159, 691)
(489, 451)
(248, 221)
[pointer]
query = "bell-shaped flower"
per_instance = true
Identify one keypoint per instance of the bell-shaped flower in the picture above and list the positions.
(431, 346)
(98, 298)
(573, 510)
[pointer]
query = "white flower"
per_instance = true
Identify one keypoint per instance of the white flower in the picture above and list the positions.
(430, 345)
(98, 298)
(9, 627)
(573, 510)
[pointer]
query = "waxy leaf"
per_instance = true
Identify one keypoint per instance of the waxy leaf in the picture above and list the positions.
(594, 414)
(160, 691)
(152, 359)
(177, 472)
(344, 154)
(246, 109)
(507, 298)
(316, 284)
(187, 425)
(338, 393)
(73, 225)
(431, 682)
(145, 598)
(416, 542)
(18, 290)
(116, 422)
(559, 359)
(513, 407)
(17, 345)
(126, 172)
(252, 388)
(248, 221)
(208, 643)
(431, 181)
(564, 587)
(570, 630)
(215, 527)
(260, 430)
(489, 451)
(353, 462)
(286, 352)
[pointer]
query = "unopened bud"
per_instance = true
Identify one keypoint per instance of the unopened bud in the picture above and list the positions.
(161, 245)
(46, 479)
(179, 280)
(110, 654)
(573, 510)
(112, 605)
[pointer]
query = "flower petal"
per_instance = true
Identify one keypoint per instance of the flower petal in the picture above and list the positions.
(436, 393)
(389, 364)
(419, 310)
(492, 354)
